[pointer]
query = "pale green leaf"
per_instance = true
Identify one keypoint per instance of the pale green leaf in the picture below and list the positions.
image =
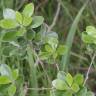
(8, 23)
(12, 90)
(15, 74)
(48, 48)
(19, 17)
(37, 21)
(69, 79)
(60, 84)
(89, 93)
(91, 31)
(87, 38)
(9, 13)
(28, 10)
(27, 20)
(75, 87)
(4, 80)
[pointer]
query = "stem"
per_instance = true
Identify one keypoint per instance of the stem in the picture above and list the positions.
(55, 17)
(33, 75)
(87, 75)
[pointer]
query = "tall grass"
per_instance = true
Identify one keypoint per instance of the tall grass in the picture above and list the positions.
(71, 34)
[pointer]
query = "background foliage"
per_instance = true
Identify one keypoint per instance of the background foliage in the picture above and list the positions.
(74, 16)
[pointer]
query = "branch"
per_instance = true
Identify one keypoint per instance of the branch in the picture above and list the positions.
(40, 89)
(87, 75)
(55, 17)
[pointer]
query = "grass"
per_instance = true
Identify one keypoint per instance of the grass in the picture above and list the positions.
(71, 34)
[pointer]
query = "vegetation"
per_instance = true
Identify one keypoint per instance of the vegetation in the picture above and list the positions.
(37, 44)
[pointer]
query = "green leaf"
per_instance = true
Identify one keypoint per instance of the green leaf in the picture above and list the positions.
(60, 84)
(48, 48)
(53, 42)
(79, 79)
(75, 87)
(61, 75)
(7, 51)
(10, 36)
(28, 10)
(9, 14)
(8, 23)
(69, 79)
(87, 38)
(89, 93)
(51, 35)
(15, 74)
(4, 80)
(30, 34)
(91, 31)
(68, 93)
(21, 31)
(44, 55)
(19, 17)
(61, 50)
(82, 92)
(12, 90)
(27, 20)
(37, 21)
(55, 55)
(5, 70)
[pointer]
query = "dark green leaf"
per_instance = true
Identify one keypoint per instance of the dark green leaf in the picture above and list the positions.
(10, 36)
(61, 50)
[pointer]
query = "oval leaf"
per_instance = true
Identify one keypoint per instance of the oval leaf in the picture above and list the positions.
(37, 21)
(27, 21)
(12, 90)
(75, 87)
(59, 84)
(4, 80)
(9, 14)
(8, 23)
(28, 10)
(79, 79)
(19, 17)
(15, 74)
(69, 79)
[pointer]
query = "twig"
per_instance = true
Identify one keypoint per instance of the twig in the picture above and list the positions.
(55, 18)
(41, 63)
(40, 89)
(79, 56)
(87, 75)
(21, 4)
(41, 4)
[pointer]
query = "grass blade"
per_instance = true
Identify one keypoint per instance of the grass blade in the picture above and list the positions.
(33, 75)
(71, 35)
